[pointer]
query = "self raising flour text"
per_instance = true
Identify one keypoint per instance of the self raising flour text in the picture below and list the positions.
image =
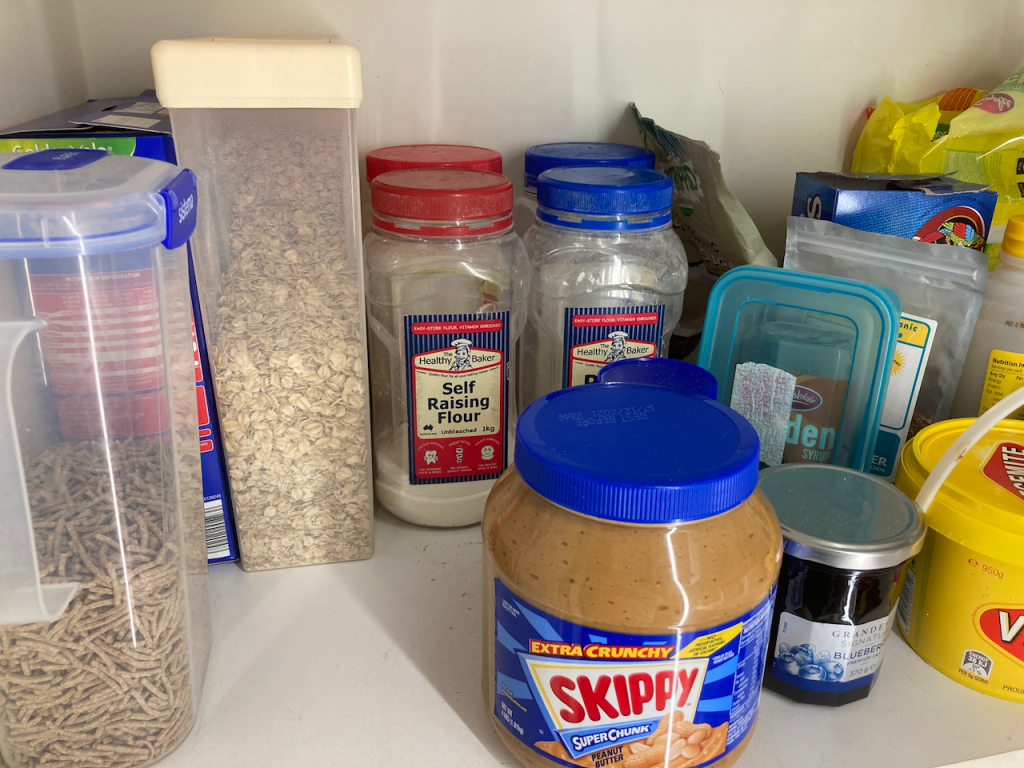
(458, 410)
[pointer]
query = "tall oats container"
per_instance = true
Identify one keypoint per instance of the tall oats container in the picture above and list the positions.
(104, 608)
(269, 128)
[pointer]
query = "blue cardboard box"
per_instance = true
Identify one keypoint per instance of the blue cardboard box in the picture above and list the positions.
(935, 209)
(120, 126)
(139, 126)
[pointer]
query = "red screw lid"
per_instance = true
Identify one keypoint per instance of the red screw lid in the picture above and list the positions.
(443, 195)
(408, 156)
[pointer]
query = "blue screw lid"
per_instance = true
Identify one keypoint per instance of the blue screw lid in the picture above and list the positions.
(544, 156)
(662, 372)
(597, 191)
(634, 453)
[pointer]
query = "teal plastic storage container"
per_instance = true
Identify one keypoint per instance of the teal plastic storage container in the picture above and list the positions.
(836, 337)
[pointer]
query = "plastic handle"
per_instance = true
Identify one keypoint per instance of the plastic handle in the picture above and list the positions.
(964, 443)
(24, 599)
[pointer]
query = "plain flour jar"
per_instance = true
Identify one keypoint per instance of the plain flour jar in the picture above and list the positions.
(446, 289)
(607, 274)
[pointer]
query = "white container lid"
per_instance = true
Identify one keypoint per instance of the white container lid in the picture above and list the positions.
(221, 72)
(60, 202)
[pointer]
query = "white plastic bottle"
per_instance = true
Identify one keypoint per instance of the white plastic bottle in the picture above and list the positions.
(995, 361)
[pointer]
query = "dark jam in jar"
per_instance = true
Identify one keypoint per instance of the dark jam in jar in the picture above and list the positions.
(848, 537)
(850, 601)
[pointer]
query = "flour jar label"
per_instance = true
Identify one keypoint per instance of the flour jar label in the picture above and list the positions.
(457, 396)
(597, 337)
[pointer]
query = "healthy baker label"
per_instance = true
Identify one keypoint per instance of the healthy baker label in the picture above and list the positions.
(597, 337)
(457, 381)
(578, 695)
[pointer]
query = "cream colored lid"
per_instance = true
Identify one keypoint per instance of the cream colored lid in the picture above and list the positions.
(222, 72)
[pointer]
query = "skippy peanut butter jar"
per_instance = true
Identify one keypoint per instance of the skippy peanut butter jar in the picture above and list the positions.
(962, 607)
(629, 578)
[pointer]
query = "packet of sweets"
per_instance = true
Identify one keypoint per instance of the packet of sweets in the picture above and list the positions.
(985, 145)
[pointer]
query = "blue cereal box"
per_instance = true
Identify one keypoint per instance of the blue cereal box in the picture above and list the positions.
(221, 543)
(933, 209)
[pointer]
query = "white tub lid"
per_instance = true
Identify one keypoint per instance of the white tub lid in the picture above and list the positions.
(221, 72)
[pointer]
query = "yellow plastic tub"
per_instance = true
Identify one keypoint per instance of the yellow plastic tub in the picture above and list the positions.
(962, 607)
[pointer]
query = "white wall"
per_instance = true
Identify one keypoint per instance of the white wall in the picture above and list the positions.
(775, 86)
(40, 60)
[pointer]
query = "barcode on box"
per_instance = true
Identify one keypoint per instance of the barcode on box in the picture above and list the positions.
(216, 531)
(906, 602)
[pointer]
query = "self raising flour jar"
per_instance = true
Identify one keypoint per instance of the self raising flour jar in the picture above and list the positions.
(446, 300)
(542, 157)
(607, 274)
(629, 577)
(849, 536)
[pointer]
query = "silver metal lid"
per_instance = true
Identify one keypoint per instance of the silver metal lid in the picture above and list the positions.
(843, 518)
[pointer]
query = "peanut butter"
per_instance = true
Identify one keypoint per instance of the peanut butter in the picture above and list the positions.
(624, 632)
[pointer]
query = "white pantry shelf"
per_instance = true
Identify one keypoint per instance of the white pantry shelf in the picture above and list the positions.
(377, 663)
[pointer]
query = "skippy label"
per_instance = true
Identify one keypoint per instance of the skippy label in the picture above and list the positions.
(569, 691)
(832, 658)
(457, 382)
(917, 334)
(596, 337)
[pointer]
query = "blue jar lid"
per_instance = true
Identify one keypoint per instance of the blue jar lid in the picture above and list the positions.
(662, 372)
(587, 193)
(634, 453)
(544, 156)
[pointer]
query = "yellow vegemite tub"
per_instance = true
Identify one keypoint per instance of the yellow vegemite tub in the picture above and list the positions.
(962, 607)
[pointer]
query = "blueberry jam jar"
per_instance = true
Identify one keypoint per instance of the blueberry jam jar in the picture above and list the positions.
(848, 539)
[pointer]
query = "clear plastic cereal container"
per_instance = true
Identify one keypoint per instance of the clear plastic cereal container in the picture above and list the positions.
(104, 609)
(269, 128)
(607, 274)
(446, 300)
(629, 578)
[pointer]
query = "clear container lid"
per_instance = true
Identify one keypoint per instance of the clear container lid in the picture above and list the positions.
(810, 325)
(60, 202)
(843, 518)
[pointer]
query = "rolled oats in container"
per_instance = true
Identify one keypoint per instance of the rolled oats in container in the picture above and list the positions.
(269, 127)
